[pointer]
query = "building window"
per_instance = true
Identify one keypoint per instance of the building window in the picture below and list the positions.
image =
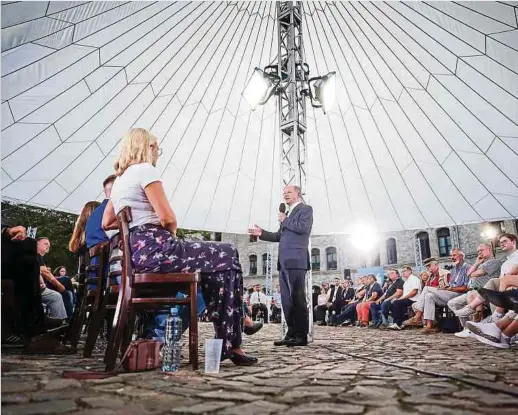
(265, 260)
(391, 251)
(424, 242)
(315, 259)
(331, 258)
(444, 239)
(217, 236)
(377, 260)
(253, 264)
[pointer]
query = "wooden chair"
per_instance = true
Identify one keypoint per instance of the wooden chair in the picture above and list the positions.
(91, 299)
(148, 292)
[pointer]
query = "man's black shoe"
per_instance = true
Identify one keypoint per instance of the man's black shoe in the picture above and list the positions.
(283, 342)
(253, 329)
(299, 341)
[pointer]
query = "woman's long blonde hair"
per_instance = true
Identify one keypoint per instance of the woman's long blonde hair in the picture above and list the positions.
(78, 238)
(136, 148)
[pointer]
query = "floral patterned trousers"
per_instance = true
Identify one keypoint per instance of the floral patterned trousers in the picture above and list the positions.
(155, 250)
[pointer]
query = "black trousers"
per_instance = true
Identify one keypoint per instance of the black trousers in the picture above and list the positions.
(260, 307)
(294, 305)
(399, 310)
(20, 264)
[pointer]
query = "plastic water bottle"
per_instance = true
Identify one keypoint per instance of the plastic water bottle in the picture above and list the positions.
(171, 351)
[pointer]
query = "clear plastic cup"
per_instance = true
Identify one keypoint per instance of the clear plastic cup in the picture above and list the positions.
(213, 355)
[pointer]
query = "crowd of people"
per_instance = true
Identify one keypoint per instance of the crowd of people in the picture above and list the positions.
(46, 300)
(406, 301)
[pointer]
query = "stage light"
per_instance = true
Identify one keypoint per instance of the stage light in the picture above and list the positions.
(322, 91)
(364, 237)
(260, 87)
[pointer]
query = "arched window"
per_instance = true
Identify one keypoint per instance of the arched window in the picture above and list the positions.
(443, 237)
(253, 264)
(331, 258)
(424, 242)
(265, 260)
(315, 259)
(391, 251)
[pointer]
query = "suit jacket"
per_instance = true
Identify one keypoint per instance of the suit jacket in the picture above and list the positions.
(293, 238)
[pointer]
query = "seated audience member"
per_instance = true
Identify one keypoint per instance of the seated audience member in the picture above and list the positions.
(411, 290)
(20, 265)
(384, 303)
(497, 334)
(276, 305)
(363, 307)
(484, 269)
(94, 232)
(348, 314)
(319, 312)
(69, 297)
(54, 301)
(259, 303)
(333, 303)
(433, 296)
(155, 247)
(507, 242)
(347, 294)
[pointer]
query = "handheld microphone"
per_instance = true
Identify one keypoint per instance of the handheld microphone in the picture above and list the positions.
(282, 208)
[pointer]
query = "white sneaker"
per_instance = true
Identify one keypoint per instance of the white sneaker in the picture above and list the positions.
(514, 340)
(489, 331)
(465, 311)
(464, 334)
(394, 326)
(490, 340)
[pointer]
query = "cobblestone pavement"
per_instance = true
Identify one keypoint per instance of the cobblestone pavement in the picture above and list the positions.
(345, 370)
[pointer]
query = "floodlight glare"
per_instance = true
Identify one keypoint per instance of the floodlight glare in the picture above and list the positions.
(364, 237)
(325, 92)
(489, 233)
(259, 89)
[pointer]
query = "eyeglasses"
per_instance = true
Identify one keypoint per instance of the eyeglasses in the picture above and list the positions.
(504, 242)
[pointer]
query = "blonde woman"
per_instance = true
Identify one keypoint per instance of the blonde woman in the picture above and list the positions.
(155, 247)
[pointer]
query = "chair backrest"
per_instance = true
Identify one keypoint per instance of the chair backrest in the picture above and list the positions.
(124, 218)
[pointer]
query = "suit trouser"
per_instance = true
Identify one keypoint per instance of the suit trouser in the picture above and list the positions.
(430, 297)
(293, 296)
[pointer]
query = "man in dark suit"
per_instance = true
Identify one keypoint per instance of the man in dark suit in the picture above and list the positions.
(293, 263)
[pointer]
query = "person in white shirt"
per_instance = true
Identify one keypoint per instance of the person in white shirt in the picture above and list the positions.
(259, 303)
(411, 289)
(276, 305)
(508, 244)
(156, 249)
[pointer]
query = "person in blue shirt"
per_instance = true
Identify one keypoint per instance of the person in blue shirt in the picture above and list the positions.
(94, 230)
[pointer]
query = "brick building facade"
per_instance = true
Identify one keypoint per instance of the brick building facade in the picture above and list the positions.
(332, 254)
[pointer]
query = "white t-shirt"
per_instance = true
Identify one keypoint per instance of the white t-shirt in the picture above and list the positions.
(258, 297)
(410, 284)
(128, 190)
(511, 261)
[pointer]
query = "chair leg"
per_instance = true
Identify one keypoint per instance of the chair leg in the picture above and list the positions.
(193, 326)
(120, 321)
(128, 332)
(75, 331)
(93, 331)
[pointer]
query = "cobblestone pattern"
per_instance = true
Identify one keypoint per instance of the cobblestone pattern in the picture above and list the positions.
(349, 257)
(345, 370)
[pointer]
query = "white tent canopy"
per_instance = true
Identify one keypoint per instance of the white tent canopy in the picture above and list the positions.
(424, 131)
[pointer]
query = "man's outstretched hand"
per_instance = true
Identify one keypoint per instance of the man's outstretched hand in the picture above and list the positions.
(256, 231)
